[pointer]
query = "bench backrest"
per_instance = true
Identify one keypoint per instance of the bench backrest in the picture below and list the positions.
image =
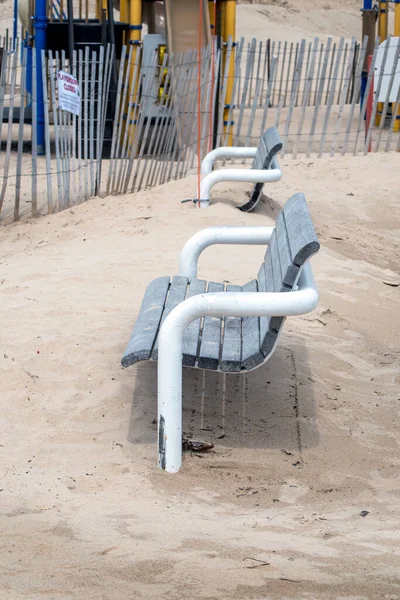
(269, 146)
(293, 241)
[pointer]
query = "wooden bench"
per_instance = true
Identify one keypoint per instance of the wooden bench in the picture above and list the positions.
(265, 168)
(229, 328)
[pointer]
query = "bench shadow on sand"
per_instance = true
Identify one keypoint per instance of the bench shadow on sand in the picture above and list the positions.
(271, 407)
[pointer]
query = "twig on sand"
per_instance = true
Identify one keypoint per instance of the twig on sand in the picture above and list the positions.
(262, 563)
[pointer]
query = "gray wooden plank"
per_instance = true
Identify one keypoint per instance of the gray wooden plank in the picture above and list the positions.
(266, 283)
(211, 337)
(192, 333)
(288, 271)
(251, 352)
(302, 236)
(274, 283)
(146, 327)
(231, 356)
(176, 295)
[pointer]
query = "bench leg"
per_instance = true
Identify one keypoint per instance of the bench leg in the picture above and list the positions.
(169, 396)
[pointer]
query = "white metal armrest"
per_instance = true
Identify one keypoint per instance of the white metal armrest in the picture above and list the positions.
(242, 175)
(170, 348)
(225, 152)
(219, 235)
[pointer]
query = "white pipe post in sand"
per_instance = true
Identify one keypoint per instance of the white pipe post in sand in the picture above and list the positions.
(230, 304)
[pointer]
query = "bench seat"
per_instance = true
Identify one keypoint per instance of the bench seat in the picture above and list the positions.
(227, 344)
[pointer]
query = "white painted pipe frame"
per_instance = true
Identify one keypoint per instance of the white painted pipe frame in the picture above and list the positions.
(242, 175)
(234, 304)
(225, 152)
(219, 235)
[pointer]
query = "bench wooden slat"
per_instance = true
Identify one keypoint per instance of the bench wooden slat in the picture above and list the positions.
(251, 353)
(176, 295)
(289, 272)
(269, 146)
(268, 282)
(147, 324)
(231, 357)
(301, 231)
(211, 336)
(192, 333)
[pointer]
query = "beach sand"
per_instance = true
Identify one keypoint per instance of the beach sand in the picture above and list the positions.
(303, 445)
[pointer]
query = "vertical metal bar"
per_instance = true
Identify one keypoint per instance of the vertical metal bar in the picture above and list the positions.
(50, 206)
(57, 131)
(92, 108)
(34, 136)
(81, 193)
(86, 125)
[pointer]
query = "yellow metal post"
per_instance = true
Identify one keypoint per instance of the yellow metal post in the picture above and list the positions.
(383, 20)
(211, 15)
(135, 36)
(396, 126)
(229, 32)
(382, 33)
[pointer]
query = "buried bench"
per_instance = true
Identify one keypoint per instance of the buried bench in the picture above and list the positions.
(229, 328)
(265, 168)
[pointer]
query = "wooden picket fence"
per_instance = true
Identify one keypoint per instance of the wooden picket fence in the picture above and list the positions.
(293, 60)
(142, 124)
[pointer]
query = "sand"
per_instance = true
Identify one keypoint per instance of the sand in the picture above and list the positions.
(302, 446)
(300, 498)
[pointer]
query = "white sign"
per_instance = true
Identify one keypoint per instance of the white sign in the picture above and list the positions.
(68, 93)
(390, 72)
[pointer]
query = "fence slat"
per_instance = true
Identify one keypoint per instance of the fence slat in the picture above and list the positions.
(343, 95)
(296, 82)
(116, 121)
(9, 135)
(377, 93)
(359, 68)
(306, 95)
(360, 125)
(318, 99)
(330, 98)
(20, 135)
(271, 84)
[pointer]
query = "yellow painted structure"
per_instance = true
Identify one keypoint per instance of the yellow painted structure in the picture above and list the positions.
(396, 126)
(135, 37)
(229, 31)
